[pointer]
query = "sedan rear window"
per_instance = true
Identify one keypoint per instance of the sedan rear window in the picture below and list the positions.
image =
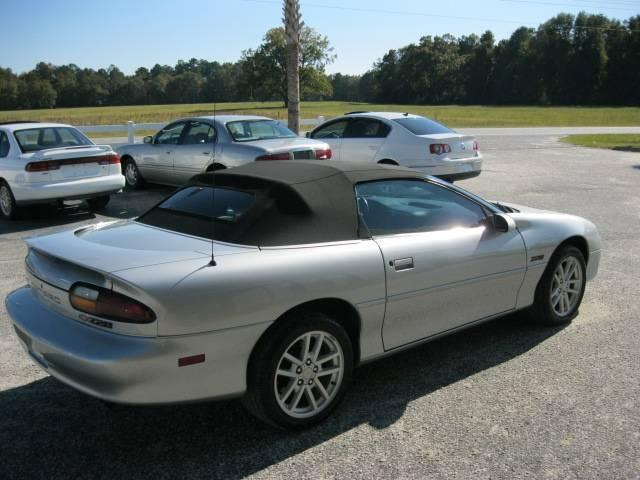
(43, 138)
(252, 130)
(422, 126)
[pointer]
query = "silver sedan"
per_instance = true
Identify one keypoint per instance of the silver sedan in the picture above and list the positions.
(270, 282)
(195, 145)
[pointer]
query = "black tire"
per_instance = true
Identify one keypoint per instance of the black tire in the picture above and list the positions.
(542, 311)
(98, 203)
(133, 177)
(8, 207)
(260, 398)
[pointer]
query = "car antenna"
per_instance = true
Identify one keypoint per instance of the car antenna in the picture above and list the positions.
(212, 263)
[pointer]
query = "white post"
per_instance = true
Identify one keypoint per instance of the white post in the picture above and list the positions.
(130, 131)
(320, 119)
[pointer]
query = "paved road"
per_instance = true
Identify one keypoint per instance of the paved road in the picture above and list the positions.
(503, 400)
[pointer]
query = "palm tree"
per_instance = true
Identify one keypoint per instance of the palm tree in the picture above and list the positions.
(292, 27)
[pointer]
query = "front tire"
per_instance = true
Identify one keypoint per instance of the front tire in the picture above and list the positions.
(8, 207)
(132, 175)
(300, 371)
(561, 288)
(98, 203)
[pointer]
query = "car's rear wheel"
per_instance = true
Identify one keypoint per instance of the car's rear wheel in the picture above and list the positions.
(299, 371)
(131, 173)
(8, 207)
(561, 288)
(98, 203)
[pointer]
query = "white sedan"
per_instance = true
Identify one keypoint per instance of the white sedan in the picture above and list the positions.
(45, 162)
(401, 139)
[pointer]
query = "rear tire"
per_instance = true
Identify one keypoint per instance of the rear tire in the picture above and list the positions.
(561, 288)
(98, 203)
(132, 175)
(8, 207)
(300, 371)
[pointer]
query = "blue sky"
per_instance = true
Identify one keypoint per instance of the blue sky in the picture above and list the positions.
(133, 33)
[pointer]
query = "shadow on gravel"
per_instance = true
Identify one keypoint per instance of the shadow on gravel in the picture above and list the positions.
(48, 430)
(127, 204)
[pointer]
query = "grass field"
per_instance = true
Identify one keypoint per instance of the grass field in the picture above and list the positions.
(451, 115)
(629, 142)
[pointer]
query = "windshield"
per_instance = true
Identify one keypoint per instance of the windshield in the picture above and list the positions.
(422, 126)
(252, 130)
(36, 139)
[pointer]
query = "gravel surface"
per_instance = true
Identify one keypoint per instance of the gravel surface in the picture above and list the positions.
(503, 400)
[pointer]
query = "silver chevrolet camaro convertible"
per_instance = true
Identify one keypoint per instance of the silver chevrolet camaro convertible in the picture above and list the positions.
(273, 280)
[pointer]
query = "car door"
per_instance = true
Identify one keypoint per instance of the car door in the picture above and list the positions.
(157, 157)
(363, 138)
(332, 133)
(445, 267)
(194, 152)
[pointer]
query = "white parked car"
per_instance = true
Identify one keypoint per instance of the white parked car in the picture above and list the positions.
(45, 162)
(190, 146)
(401, 139)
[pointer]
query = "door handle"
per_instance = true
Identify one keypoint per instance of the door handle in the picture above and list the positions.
(402, 264)
(206, 153)
(169, 152)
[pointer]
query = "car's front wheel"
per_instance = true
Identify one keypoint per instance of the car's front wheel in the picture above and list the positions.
(300, 371)
(561, 288)
(8, 207)
(131, 173)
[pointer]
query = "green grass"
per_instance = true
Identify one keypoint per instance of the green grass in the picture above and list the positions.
(451, 115)
(614, 141)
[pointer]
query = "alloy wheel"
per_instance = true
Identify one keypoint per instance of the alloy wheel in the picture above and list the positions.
(6, 203)
(566, 286)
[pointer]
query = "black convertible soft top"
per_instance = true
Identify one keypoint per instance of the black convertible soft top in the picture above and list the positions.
(299, 202)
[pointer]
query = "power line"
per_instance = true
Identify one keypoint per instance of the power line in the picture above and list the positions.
(433, 15)
(536, 2)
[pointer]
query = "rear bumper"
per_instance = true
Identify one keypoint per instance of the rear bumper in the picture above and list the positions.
(81, 188)
(128, 369)
(458, 169)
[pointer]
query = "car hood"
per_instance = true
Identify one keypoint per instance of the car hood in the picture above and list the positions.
(122, 245)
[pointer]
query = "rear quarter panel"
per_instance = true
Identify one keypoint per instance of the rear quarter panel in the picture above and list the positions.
(259, 286)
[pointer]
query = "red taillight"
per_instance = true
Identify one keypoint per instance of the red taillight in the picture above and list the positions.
(47, 165)
(274, 156)
(475, 146)
(323, 154)
(109, 304)
(111, 159)
(42, 166)
(439, 148)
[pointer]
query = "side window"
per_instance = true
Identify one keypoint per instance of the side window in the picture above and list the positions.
(4, 145)
(402, 206)
(199, 133)
(366, 128)
(333, 130)
(170, 135)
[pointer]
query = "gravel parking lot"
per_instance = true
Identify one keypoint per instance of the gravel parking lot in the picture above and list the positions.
(503, 400)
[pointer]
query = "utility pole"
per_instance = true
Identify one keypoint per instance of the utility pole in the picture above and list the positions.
(292, 28)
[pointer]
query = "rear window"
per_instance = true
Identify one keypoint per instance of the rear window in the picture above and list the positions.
(251, 130)
(422, 126)
(36, 139)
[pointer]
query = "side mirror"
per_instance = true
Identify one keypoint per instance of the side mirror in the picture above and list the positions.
(148, 139)
(308, 134)
(499, 223)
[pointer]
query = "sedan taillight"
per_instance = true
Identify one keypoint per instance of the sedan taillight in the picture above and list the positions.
(109, 304)
(439, 148)
(323, 154)
(47, 165)
(274, 156)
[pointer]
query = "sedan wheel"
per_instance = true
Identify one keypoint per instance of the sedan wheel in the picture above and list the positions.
(561, 288)
(132, 174)
(299, 371)
(7, 202)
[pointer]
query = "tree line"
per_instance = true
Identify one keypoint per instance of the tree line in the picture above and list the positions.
(568, 60)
